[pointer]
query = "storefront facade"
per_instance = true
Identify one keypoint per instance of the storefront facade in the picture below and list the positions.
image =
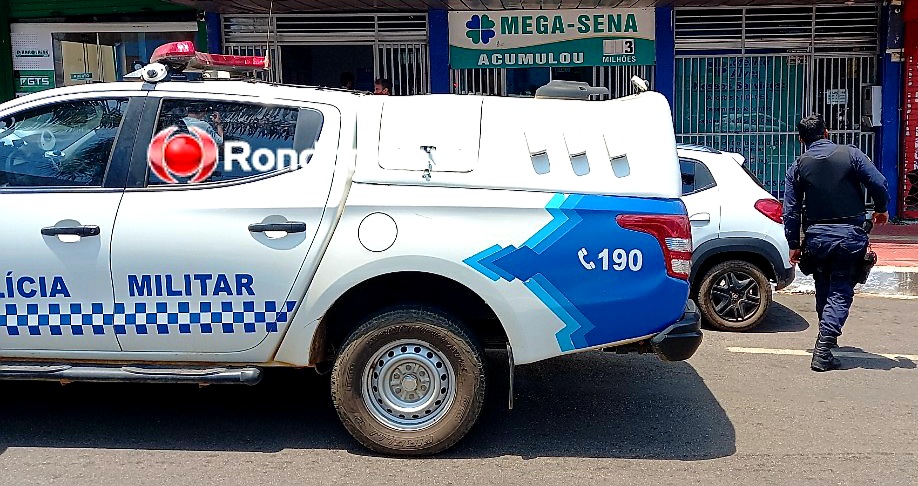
(418, 50)
(745, 76)
(738, 78)
(56, 43)
(317, 48)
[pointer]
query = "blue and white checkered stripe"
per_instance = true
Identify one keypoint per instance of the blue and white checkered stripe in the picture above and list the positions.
(142, 318)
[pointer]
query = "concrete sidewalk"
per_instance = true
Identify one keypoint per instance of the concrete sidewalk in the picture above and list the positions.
(902, 232)
(896, 245)
(896, 254)
(896, 272)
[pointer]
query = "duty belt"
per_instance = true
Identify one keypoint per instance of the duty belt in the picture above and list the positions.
(853, 220)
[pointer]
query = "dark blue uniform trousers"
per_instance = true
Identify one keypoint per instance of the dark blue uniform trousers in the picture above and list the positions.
(836, 251)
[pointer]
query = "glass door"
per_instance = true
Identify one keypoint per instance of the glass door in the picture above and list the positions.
(86, 57)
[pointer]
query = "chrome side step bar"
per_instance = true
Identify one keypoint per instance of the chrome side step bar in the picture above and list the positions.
(128, 373)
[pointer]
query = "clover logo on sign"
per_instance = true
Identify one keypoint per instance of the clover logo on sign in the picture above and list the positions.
(480, 29)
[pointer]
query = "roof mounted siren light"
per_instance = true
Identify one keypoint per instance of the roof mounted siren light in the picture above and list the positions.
(569, 90)
(179, 57)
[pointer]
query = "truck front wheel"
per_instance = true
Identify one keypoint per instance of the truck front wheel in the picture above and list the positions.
(409, 381)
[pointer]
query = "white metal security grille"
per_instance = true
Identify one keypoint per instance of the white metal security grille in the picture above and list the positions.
(787, 62)
(399, 41)
(743, 104)
(820, 28)
(837, 91)
(272, 74)
(751, 104)
(405, 65)
(485, 81)
(328, 28)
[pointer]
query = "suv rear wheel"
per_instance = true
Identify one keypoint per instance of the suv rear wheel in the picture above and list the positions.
(409, 381)
(734, 296)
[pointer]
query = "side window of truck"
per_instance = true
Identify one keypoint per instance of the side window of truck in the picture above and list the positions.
(250, 139)
(65, 144)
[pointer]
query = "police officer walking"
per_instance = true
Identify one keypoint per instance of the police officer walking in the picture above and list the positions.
(824, 187)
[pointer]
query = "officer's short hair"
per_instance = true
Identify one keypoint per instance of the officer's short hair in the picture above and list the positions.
(812, 128)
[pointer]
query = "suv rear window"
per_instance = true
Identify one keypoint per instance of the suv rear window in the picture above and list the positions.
(696, 176)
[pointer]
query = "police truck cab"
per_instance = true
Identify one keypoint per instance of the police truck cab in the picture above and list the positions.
(205, 231)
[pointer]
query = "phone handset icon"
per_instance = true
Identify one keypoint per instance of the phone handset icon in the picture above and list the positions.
(586, 264)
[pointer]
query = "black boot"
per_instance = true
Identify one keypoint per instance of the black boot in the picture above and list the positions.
(823, 360)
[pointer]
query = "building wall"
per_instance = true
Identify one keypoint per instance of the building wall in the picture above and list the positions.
(69, 12)
(880, 141)
(908, 174)
(6, 54)
(32, 9)
(829, 68)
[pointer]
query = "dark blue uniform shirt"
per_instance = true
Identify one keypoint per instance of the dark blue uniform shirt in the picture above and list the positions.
(866, 172)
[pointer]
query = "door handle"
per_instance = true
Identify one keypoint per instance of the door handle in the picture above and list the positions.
(700, 218)
(288, 227)
(81, 231)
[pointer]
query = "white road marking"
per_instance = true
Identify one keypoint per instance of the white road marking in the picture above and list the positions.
(841, 354)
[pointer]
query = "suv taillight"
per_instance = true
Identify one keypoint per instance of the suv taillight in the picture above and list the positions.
(772, 209)
(674, 234)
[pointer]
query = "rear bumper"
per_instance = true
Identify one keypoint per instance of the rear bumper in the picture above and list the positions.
(680, 340)
(784, 276)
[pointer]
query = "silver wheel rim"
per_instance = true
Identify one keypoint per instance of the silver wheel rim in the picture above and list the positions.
(408, 385)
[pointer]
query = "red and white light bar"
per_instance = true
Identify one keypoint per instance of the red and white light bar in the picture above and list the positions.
(183, 56)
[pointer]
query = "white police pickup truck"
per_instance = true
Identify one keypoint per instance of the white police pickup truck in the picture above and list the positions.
(182, 231)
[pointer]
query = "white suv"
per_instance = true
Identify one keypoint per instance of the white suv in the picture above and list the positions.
(738, 237)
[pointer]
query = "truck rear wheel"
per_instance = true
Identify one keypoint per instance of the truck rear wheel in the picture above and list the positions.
(409, 381)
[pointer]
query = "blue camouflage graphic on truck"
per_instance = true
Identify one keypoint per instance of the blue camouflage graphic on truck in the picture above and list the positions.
(605, 283)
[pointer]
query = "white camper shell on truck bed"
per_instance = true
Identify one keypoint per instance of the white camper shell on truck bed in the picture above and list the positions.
(412, 233)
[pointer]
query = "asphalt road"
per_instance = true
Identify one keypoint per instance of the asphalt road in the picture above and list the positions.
(723, 417)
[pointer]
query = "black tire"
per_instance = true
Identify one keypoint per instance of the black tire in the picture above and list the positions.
(734, 296)
(427, 340)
